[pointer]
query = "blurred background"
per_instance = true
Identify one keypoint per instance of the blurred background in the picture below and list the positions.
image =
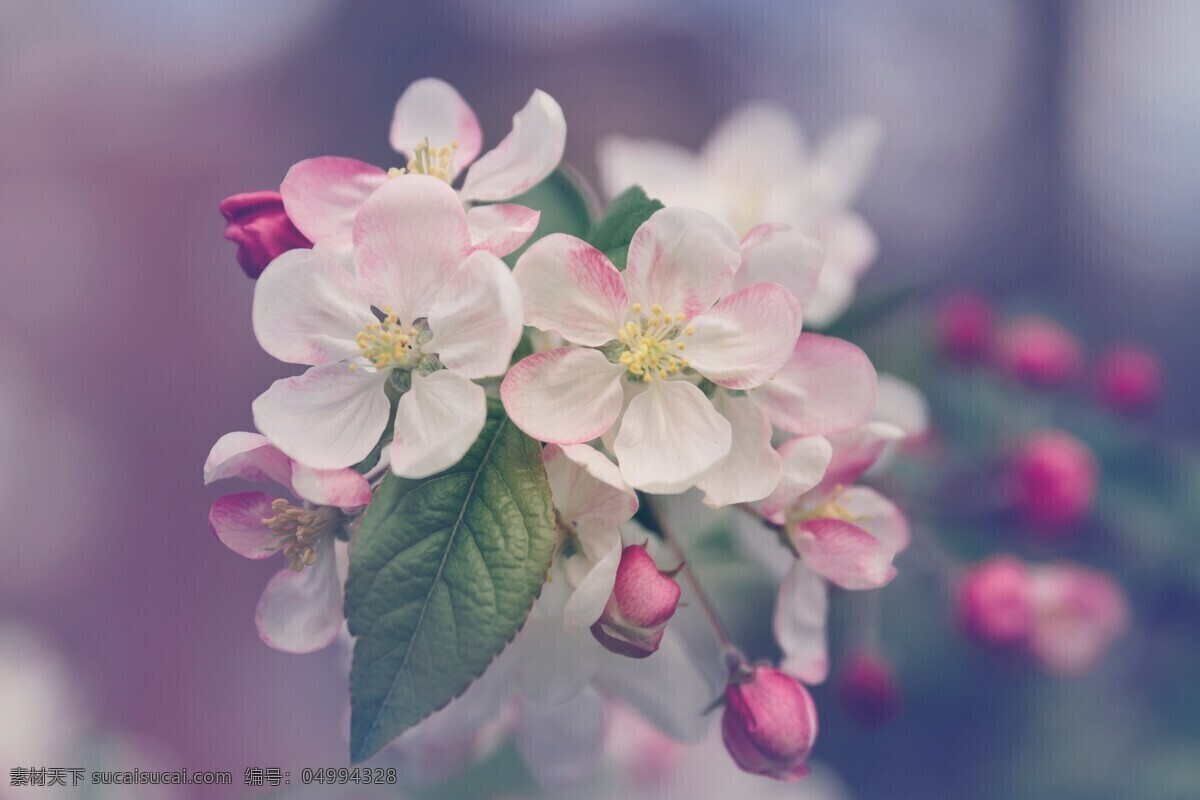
(1044, 154)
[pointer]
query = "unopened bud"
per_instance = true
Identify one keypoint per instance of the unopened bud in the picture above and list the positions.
(867, 688)
(1052, 481)
(1128, 379)
(770, 724)
(994, 604)
(642, 601)
(1039, 352)
(261, 229)
(964, 327)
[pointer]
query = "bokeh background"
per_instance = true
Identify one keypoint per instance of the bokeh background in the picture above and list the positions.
(1044, 153)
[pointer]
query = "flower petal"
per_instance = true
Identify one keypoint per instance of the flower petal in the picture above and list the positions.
(759, 139)
(569, 395)
(800, 615)
(670, 436)
(856, 452)
(437, 421)
(587, 486)
(571, 288)
(667, 172)
(555, 665)
(587, 601)
(845, 554)
(476, 319)
(827, 386)
(681, 259)
(249, 456)
(501, 228)
(309, 309)
(835, 292)
(780, 254)
(433, 109)
(878, 516)
(328, 418)
(562, 744)
(341, 488)
(752, 469)
(843, 161)
(805, 461)
(525, 157)
(746, 338)
(301, 612)
(409, 239)
(322, 195)
(237, 520)
(850, 244)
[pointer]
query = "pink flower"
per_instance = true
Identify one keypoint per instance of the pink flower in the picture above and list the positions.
(643, 599)
(770, 724)
(1039, 352)
(995, 604)
(260, 228)
(646, 338)
(867, 688)
(1129, 379)
(1052, 479)
(438, 133)
(301, 609)
(451, 314)
(964, 327)
(1078, 613)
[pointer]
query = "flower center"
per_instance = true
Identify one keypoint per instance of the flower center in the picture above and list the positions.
(300, 530)
(387, 344)
(831, 508)
(428, 160)
(650, 344)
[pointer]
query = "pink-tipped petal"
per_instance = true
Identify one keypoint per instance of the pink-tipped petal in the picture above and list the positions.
(525, 157)
(587, 486)
(751, 470)
(341, 488)
(805, 461)
(437, 421)
(328, 418)
(746, 338)
(301, 612)
(681, 259)
(780, 254)
(827, 386)
(878, 516)
(571, 288)
(308, 309)
(800, 613)
(1078, 613)
(844, 553)
(409, 239)
(501, 228)
(567, 396)
(433, 109)
(237, 520)
(322, 195)
(856, 452)
(476, 319)
(249, 456)
(670, 436)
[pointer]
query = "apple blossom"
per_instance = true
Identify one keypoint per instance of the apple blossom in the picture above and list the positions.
(260, 228)
(643, 599)
(1038, 351)
(755, 168)
(867, 688)
(301, 608)
(770, 723)
(1129, 379)
(1052, 480)
(964, 326)
(435, 129)
(1078, 612)
(646, 338)
(448, 314)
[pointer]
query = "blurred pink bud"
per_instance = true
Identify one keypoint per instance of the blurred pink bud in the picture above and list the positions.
(642, 601)
(964, 326)
(995, 604)
(1039, 352)
(1078, 613)
(261, 229)
(867, 688)
(1052, 479)
(1129, 379)
(770, 724)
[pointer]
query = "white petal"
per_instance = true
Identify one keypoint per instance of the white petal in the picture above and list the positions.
(666, 172)
(437, 421)
(433, 109)
(759, 138)
(555, 665)
(681, 259)
(569, 395)
(780, 254)
(805, 461)
(844, 160)
(900, 403)
(850, 244)
(835, 292)
(309, 309)
(525, 157)
(562, 744)
(751, 470)
(587, 601)
(476, 319)
(587, 486)
(301, 612)
(501, 228)
(322, 195)
(249, 456)
(746, 338)
(800, 614)
(329, 417)
(571, 288)
(670, 436)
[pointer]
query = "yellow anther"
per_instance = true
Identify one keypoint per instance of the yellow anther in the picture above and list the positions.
(689, 330)
(656, 309)
(636, 308)
(437, 162)
(386, 344)
(298, 531)
(649, 343)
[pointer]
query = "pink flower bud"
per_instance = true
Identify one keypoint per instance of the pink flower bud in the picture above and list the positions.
(867, 688)
(770, 724)
(964, 327)
(1078, 613)
(1052, 480)
(261, 229)
(642, 601)
(1128, 379)
(1039, 352)
(995, 605)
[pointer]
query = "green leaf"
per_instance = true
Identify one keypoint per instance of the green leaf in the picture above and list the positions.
(564, 207)
(613, 231)
(443, 573)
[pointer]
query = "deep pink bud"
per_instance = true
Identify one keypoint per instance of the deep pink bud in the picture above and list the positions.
(1129, 379)
(770, 724)
(1078, 613)
(1039, 352)
(261, 229)
(867, 688)
(964, 327)
(1052, 480)
(642, 601)
(995, 604)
